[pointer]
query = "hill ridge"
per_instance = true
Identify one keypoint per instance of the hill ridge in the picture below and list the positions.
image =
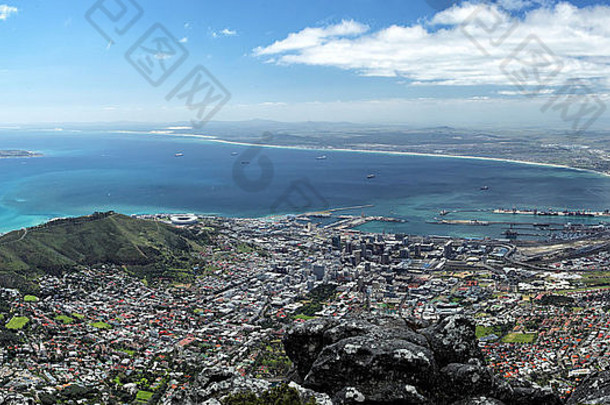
(147, 248)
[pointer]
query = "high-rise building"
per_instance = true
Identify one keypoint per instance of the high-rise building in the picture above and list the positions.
(336, 241)
(385, 258)
(318, 271)
(357, 257)
(447, 250)
(417, 250)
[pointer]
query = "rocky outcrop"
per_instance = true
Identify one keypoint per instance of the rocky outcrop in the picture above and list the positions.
(523, 392)
(453, 340)
(479, 401)
(595, 389)
(212, 385)
(15, 399)
(395, 361)
(459, 380)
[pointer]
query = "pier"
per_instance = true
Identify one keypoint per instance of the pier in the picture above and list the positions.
(348, 221)
(536, 212)
(328, 212)
(476, 222)
(566, 213)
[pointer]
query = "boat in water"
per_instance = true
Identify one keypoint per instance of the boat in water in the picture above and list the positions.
(179, 154)
(233, 153)
(484, 188)
(370, 176)
(511, 234)
(323, 157)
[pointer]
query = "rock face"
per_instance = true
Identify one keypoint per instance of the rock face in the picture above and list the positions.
(212, 385)
(389, 361)
(454, 341)
(15, 399)
(595, 389)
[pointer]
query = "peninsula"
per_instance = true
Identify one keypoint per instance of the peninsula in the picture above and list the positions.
(17, 153)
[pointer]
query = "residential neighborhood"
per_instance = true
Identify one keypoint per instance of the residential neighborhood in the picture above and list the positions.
(102, 335)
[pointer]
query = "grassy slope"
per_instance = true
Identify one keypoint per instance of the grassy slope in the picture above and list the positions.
(100, 238)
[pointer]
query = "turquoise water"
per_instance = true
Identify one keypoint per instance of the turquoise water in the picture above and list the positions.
(82, 172)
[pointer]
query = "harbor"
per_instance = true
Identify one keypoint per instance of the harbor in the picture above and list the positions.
(532, 211)
(558, 225)
(349, 222)
(565, 213)
(344, 222)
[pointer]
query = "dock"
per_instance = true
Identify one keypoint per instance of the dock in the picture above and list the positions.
(331, 210)
(348, 221)
(590, 214)
(536, 212)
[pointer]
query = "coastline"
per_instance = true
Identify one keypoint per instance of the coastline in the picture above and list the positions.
(386, 152)
(14, 153)
(16, 218)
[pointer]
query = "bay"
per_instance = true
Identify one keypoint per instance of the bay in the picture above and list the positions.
(86, 171)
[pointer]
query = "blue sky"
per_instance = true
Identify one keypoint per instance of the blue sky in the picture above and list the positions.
(390, 61)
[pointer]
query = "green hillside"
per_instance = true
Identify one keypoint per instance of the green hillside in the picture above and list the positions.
(146, 248)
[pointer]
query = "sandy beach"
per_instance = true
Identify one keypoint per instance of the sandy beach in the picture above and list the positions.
(381, 152)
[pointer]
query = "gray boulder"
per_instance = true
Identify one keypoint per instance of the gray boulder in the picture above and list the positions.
(478, 401)
(595, 389)
(388, 360)
(305, 342)
(368, 363)
(523, 393)
(459, 380)
(212, 385)
(453, 340)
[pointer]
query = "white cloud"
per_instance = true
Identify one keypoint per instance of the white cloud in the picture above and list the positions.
(228, 32)
(457, 15)
(310, 38)
(6, 11)
(437, 52)
(225, 32)
(521, 93)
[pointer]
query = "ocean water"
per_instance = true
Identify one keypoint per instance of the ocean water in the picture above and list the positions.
(82, 172)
